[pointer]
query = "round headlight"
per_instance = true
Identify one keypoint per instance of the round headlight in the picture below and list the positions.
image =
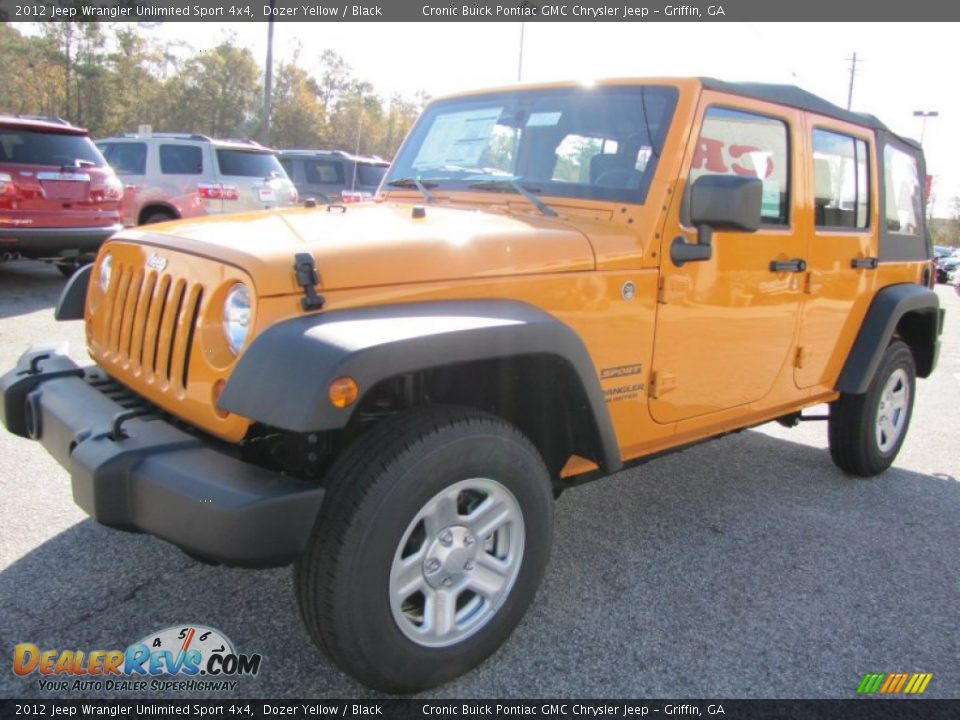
(236, 317)
(106, 270)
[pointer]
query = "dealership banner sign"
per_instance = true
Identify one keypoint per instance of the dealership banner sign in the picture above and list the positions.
(478, 10)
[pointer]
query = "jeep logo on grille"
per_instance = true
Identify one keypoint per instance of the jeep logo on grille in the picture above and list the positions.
(157, 262)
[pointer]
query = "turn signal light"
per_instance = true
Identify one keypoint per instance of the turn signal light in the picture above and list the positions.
(343, 392)
(354, 196)
(216, 191)
(7, 188)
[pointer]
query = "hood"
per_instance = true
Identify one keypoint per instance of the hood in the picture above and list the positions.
(375, 244)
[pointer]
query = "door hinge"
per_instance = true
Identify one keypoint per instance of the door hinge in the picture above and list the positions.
(672, 288)
(661, 382)
(801, 357)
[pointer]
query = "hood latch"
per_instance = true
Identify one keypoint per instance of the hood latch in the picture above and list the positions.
(308, 278)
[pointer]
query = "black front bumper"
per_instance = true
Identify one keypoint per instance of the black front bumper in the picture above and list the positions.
(144, 474)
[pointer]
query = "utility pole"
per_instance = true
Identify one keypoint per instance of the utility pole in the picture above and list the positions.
(520, 60)
(268, 82)
(853, 72)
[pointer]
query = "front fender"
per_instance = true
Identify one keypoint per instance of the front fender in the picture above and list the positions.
(283, 378)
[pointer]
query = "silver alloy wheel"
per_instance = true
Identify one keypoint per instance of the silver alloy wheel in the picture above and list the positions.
(457, 562)
(893, 409)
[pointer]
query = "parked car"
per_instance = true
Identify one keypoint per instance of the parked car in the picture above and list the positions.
(59, 200)
(176, 175)
(333, 175)
(947, 266)
(560, 282)
(941, 252)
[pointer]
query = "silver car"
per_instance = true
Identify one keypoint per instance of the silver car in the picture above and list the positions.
(176, 175)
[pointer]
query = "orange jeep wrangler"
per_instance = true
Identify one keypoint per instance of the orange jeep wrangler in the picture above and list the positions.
(554, 283)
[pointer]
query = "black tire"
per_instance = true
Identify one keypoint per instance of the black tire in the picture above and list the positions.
(158, 216)
(375, 490)
(854, 445)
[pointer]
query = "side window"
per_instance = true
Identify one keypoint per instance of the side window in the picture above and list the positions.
(127, 158)
(902, 192)
(733, 142)
(841, 180)
(287, 165)
(180, 160)
(323, 172)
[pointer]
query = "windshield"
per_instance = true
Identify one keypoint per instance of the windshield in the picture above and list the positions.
(596, 143)
(244, 163)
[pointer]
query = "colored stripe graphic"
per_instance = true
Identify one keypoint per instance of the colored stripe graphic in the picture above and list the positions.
(870, 683)
(918, 683)
(891, 682)
(894, 683)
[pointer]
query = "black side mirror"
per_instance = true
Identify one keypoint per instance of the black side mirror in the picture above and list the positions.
(718, 202)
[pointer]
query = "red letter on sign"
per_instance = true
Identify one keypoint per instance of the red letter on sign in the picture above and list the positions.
(709, 155)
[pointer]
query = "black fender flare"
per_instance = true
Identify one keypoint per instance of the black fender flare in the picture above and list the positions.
(73, 299)
(883, 316)
(282, 379)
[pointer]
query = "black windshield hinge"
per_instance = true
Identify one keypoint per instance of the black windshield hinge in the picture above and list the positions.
(308, 278)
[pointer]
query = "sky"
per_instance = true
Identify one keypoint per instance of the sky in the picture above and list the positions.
(906, 66)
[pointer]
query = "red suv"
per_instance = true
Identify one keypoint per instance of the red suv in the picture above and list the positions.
(59, 200)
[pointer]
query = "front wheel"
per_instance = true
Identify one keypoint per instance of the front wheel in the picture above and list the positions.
(866, 431)
(432, 541)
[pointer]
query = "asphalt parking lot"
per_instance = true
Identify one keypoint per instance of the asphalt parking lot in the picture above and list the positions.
(748, 567)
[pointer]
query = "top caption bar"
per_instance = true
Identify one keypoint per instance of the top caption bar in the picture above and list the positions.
(506, 11)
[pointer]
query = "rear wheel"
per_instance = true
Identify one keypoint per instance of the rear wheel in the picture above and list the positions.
(158, 216)
(866, 431)
(432, 541)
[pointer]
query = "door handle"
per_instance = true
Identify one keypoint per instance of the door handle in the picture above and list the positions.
(792, 265)
(865, 263)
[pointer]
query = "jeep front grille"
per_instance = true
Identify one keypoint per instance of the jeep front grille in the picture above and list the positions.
(149, 322)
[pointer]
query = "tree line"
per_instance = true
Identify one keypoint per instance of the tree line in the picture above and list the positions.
(113, 77)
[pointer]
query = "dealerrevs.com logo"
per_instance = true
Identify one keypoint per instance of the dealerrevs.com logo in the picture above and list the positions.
(181, 657)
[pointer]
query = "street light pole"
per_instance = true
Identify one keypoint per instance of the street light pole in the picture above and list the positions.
(923, 115)
(268, 82)
(520, 60)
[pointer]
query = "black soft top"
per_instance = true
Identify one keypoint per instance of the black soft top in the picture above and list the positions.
(796, 97)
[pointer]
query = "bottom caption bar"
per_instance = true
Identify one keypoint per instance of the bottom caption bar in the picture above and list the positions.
(867, 709)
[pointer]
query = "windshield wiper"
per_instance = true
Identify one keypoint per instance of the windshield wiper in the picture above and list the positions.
(508, 185)
(418, 184)
(78, 164)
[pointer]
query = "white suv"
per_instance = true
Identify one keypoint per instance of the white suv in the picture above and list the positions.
(176, 175)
